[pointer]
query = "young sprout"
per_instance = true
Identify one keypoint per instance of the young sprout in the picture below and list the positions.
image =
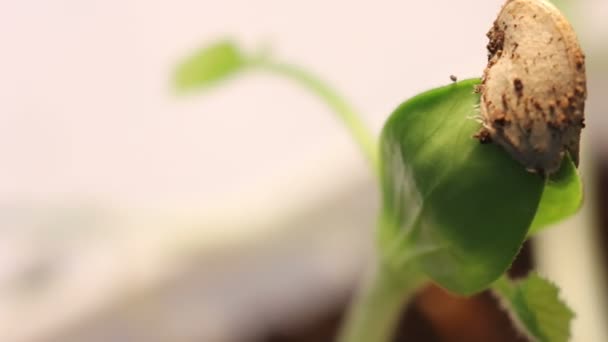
(456, 212)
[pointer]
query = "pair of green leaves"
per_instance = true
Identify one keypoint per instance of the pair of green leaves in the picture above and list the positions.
(463, 208)
(459, 211)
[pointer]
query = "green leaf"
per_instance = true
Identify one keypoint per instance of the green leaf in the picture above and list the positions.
(562, 197)
(459, 209)
(534, 305)
(209, 66)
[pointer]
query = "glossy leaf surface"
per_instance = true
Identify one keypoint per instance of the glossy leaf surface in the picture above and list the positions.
(459, 209)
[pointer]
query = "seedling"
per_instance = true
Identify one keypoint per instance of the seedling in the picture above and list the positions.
(454, 212)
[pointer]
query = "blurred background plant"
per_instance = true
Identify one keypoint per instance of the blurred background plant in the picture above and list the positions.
(243, 215)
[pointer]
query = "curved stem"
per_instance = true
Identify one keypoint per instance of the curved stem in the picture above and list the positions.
(375, 312)
(345, 112)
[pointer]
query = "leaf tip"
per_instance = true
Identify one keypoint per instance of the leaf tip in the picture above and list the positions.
(208, 66)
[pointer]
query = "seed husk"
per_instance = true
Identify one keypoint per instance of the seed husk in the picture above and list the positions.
(534, 88)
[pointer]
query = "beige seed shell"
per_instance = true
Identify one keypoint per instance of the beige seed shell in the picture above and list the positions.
(533, 90)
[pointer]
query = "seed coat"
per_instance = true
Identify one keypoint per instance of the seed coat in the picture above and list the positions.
(534, 88)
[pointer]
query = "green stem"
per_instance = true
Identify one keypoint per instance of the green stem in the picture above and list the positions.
(362, 135)
(375, 312)
(503, 286)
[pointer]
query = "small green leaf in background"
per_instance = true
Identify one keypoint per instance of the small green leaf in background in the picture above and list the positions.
(562, 197)
(458, 209)
(534, 304)
(209, 66)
